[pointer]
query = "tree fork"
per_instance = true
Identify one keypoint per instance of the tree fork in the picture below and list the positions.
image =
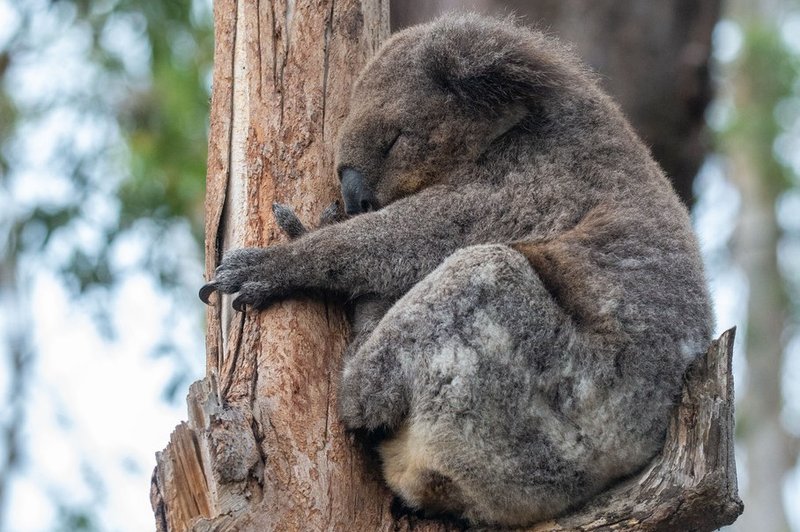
(263, 448)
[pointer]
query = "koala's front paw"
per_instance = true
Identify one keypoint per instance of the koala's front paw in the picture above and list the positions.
(333, 214)
(369, 400)
(290, 224)
(241, 271)
(288, 221)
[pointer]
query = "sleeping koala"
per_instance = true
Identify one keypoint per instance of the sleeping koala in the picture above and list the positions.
(536, 292)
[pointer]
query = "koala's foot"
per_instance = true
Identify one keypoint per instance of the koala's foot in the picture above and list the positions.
(372, 394)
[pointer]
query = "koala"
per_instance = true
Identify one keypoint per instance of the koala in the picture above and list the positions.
(535, 290)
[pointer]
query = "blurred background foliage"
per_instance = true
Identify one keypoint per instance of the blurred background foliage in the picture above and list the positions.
(103, 128)
(156, 104)
(758, 134)
(103, 134)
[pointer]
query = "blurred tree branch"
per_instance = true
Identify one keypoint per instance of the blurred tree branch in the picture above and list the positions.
(765, 74)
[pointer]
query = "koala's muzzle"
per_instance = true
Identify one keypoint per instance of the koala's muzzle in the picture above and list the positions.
(357, 195)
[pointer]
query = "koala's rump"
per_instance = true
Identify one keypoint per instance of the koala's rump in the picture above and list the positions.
(480, 439)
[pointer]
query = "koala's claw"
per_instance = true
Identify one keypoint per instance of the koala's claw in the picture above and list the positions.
(232, 272)
(331, 215)
(239, 304)
(251, 294)
(206, 291)
(256, 295)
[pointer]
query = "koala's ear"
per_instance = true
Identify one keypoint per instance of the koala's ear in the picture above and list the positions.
(490, 62)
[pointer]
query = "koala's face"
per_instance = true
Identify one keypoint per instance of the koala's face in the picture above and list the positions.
(402, 133)
(427, 107)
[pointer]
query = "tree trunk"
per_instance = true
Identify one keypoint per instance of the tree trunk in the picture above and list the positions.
(263, 448)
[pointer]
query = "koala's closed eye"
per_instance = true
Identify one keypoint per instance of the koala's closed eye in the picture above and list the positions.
(392, 142)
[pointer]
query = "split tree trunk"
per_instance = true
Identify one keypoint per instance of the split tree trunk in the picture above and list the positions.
(263, 448)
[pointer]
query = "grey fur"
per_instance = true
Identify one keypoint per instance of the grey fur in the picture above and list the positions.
(290, 224)
(288, 221)
(531, 290)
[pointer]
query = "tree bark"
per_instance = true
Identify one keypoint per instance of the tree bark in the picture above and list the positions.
(263, 448)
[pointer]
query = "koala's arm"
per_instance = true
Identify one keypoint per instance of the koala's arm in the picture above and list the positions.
(382, 253)
(572, 268)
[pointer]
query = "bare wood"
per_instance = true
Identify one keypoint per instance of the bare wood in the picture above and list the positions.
(263, 448)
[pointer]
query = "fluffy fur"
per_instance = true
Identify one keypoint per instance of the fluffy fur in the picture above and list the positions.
(531, 291)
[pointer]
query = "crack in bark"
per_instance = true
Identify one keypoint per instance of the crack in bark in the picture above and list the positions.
(328, 412)
(287, 14)
(258, 434)
(219, 240)
(199, 458)
(219, 237)
(326, 54)
(283, 452)
(260, 84)
(254, 377)
(232, 369)
(274, 46)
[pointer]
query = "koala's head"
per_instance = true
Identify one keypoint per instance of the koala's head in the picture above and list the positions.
(434, 99)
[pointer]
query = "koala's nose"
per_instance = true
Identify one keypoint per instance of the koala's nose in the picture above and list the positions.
(358, 198)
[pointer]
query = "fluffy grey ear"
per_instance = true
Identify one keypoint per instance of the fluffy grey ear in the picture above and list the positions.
(490, 62)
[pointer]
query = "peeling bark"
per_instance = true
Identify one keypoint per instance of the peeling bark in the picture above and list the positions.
(263, 448)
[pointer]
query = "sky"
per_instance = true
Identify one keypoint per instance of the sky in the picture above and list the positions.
(99, 400)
